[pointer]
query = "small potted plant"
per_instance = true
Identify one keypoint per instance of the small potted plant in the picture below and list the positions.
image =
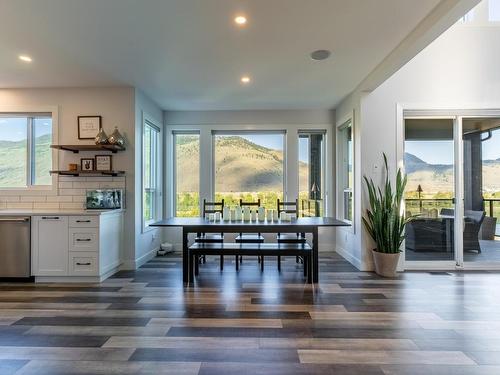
(385, 221)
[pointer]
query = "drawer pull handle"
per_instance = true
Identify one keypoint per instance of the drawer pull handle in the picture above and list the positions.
(50, 217)
(84, 239)
(83, 264)
(83, 221)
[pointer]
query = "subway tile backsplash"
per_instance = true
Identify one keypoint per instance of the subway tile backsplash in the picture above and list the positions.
(70, 195)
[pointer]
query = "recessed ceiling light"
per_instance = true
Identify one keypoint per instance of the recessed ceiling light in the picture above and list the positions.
(240, 20)
(25, 58)
(320, 54)
(245, 79)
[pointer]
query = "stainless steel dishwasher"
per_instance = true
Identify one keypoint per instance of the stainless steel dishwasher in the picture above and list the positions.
(15, 246)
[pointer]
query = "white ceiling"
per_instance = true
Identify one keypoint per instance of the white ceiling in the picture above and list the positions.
(189, 55)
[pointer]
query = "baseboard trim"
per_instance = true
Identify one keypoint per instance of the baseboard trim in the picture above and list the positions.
(356, 262)
(135, 264)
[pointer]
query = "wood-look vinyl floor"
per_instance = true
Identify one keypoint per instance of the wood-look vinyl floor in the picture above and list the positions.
(253, 323)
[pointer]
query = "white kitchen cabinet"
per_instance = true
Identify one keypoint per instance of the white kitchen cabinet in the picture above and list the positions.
(76, 248)
(49, 245)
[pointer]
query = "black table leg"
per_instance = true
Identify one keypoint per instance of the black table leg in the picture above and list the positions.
(309, 268)
(185, 257)
(315, 256)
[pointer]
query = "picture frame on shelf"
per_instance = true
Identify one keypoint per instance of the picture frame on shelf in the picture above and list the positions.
(103, 163)
(89, 126)
(87, 164)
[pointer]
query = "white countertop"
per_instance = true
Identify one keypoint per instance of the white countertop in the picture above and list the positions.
(52, 212)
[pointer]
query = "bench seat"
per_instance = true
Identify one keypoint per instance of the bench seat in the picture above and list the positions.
(253, 249)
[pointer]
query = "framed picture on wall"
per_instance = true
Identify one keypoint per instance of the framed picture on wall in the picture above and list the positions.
(103, 163)
(88, 126)
(87, 164)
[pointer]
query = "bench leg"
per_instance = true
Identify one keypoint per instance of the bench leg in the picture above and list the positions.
(279, 264)
(192, 260)
(262, 263)
(222, 262)
(309, 269)
(204, 259)
(197, 265)
(237, 263)
(241, 259)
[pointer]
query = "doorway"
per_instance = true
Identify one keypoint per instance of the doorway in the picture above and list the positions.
(452, 199)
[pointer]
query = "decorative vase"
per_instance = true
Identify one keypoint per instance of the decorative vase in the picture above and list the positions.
(101, 138)
(116, 138)
(386, 264)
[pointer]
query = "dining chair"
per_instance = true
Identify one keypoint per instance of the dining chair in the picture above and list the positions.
(211, 208)
(248, 237)
(290, 208)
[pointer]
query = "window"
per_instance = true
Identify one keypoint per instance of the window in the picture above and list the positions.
(151, 190)
(25, 153)
(494, 10)
(249, 166)
(345, 169)
(312, 173)
(187, 174)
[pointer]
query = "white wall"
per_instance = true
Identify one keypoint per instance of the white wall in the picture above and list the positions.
(289, 120)
(121, 107)
(147, 241)
(457, 71)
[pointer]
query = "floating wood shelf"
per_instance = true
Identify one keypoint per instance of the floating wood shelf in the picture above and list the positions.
(89, 173)
(77, 148)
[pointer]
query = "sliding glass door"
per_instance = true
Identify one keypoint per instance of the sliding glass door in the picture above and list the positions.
(429, 160)
(481, 187)
(452, 198)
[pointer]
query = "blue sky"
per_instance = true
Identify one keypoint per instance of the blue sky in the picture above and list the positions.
(441, 152)
(14, 129)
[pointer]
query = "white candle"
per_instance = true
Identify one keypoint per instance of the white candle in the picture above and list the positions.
(253, 215)
(269, 215)
(233, 214)
(211, 217)
(283, 216)
(207, 216)
(238, 213)
(262, 214)
(246, 213)
(217, 216)
(275, 215)
(226, 214)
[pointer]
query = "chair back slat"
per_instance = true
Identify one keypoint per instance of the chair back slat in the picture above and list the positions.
(250, 204)
(289, 207)
(212, 207)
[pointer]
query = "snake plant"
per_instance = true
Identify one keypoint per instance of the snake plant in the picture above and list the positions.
(385, 221)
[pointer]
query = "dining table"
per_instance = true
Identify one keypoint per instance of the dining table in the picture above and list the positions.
(204, 225)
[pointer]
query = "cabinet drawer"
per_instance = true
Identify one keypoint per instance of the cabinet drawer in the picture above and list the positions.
(83, 264)
(84, 221)
(84, 239)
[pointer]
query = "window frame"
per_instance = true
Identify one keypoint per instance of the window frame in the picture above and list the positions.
(306, 133)
(155, 175)
(215, 133)
(341, 179)
(35, 111)
(204, 128)
(173, 195)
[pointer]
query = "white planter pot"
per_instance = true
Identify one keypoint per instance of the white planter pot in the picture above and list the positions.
(386, 264)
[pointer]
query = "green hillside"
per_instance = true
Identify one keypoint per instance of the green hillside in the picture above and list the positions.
(241, 165)
(13, 162)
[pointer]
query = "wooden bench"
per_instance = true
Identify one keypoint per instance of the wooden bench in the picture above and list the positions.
(253, 249)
